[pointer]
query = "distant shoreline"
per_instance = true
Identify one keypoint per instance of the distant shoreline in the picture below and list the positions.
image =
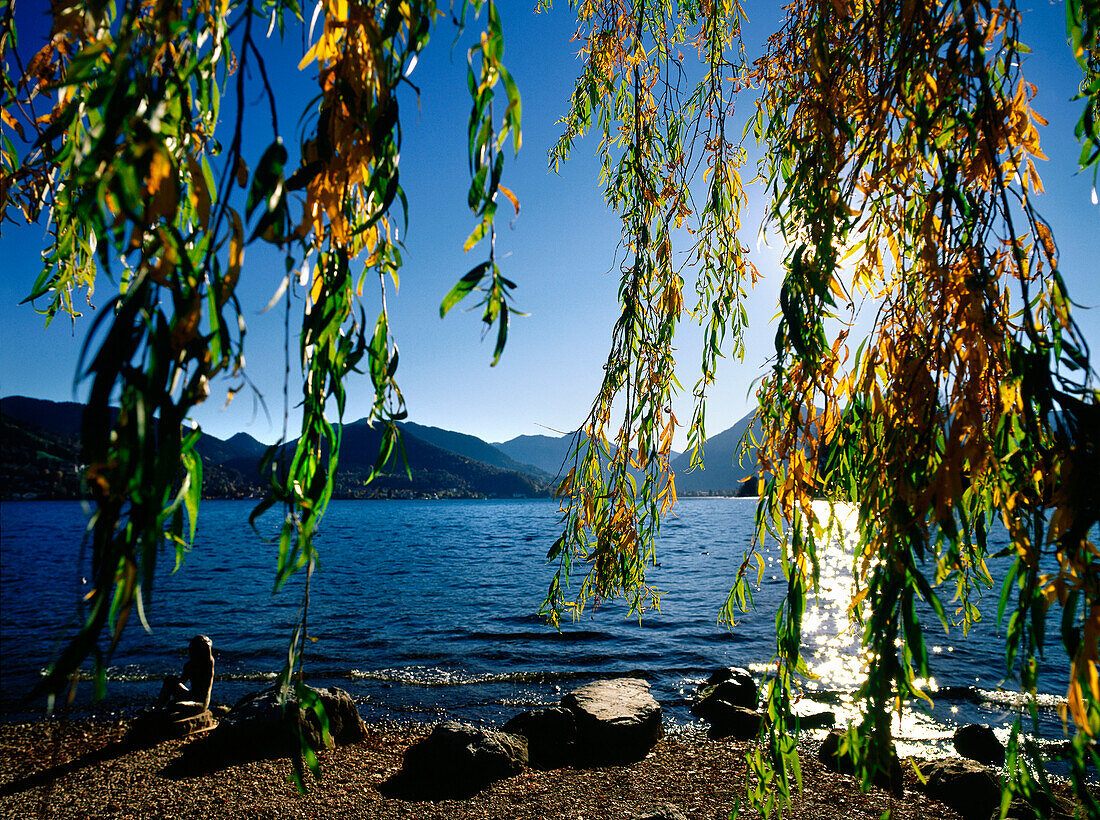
(396, 497)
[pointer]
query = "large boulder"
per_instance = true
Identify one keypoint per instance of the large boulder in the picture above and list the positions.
(732, 686)
(551, 735)
(727, 701)
(457, 760)
(968, 787)
(979, 743)
(618, 721)
(260, 726)
(737, 722)
(829, 754)
(823, 719)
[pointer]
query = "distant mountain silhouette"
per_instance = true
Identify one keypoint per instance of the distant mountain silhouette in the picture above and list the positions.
(725, 467)
(39, 448)
(40, 453)
(549, 453)
(239, 446)
(546, 453)
(436, 472)
(469, 446)
(40, 457)
(61, 418)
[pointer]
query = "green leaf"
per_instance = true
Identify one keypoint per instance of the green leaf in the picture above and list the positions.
(514, 115)
(502, 334)
(193, 465)
(267, 181)
(477, 234)
(463, 287)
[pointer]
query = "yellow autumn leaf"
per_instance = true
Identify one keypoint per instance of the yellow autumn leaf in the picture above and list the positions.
(1036, 183)
(309, 57)
(160, 168)
(511, 197)
(198, 192)
(11, 121)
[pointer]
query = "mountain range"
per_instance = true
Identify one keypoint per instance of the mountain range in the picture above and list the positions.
(40, 458)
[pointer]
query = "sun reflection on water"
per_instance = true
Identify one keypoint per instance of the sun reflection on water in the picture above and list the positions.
(831, 640)
(830, 637)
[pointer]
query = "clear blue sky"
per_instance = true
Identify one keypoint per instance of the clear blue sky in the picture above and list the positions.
(559, 250)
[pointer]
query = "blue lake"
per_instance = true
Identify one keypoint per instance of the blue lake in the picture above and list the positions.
(422, 609)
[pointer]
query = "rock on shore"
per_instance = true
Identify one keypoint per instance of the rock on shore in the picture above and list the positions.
(551, 735)
(457, 760)
(618, 721)
(259, 727)
(970, 788)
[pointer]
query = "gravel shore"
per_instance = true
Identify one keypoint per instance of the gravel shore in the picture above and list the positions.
(81, 769)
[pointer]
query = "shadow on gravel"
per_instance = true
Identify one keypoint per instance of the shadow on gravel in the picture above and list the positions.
(404, 786)
(210, 754)
(49, 776)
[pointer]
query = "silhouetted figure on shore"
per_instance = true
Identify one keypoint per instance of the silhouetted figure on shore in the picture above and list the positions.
(198, 671)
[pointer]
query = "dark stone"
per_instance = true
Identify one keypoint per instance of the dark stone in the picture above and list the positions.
(660, 811)
(345, 725)
(733, 721)
(968, 787)
(723, 674)
(1044, 808)
(551, 735)
(181, 720)
(817, 720)
(618, 721)
(259, 726)
(457, 760)
(979, 743)
(967, 693)
(733, 686)
(829, 754)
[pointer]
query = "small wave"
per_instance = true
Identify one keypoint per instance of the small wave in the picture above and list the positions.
(994, 697)
(247, 676)
(724, 637)
(124, 674)
(434, 676)
(567, 637)
(1019, 700)
(138, 675)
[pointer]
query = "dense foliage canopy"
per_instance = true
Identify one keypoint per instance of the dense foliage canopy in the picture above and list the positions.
(899, 144)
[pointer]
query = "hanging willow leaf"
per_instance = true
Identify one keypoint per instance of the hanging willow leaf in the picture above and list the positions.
(463, 287)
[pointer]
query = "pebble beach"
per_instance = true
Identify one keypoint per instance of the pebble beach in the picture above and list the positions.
(82, 769)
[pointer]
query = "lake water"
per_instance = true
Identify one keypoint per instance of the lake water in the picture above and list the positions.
(426, 609)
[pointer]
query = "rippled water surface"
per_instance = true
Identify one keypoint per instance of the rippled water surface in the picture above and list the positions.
(425, 608)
